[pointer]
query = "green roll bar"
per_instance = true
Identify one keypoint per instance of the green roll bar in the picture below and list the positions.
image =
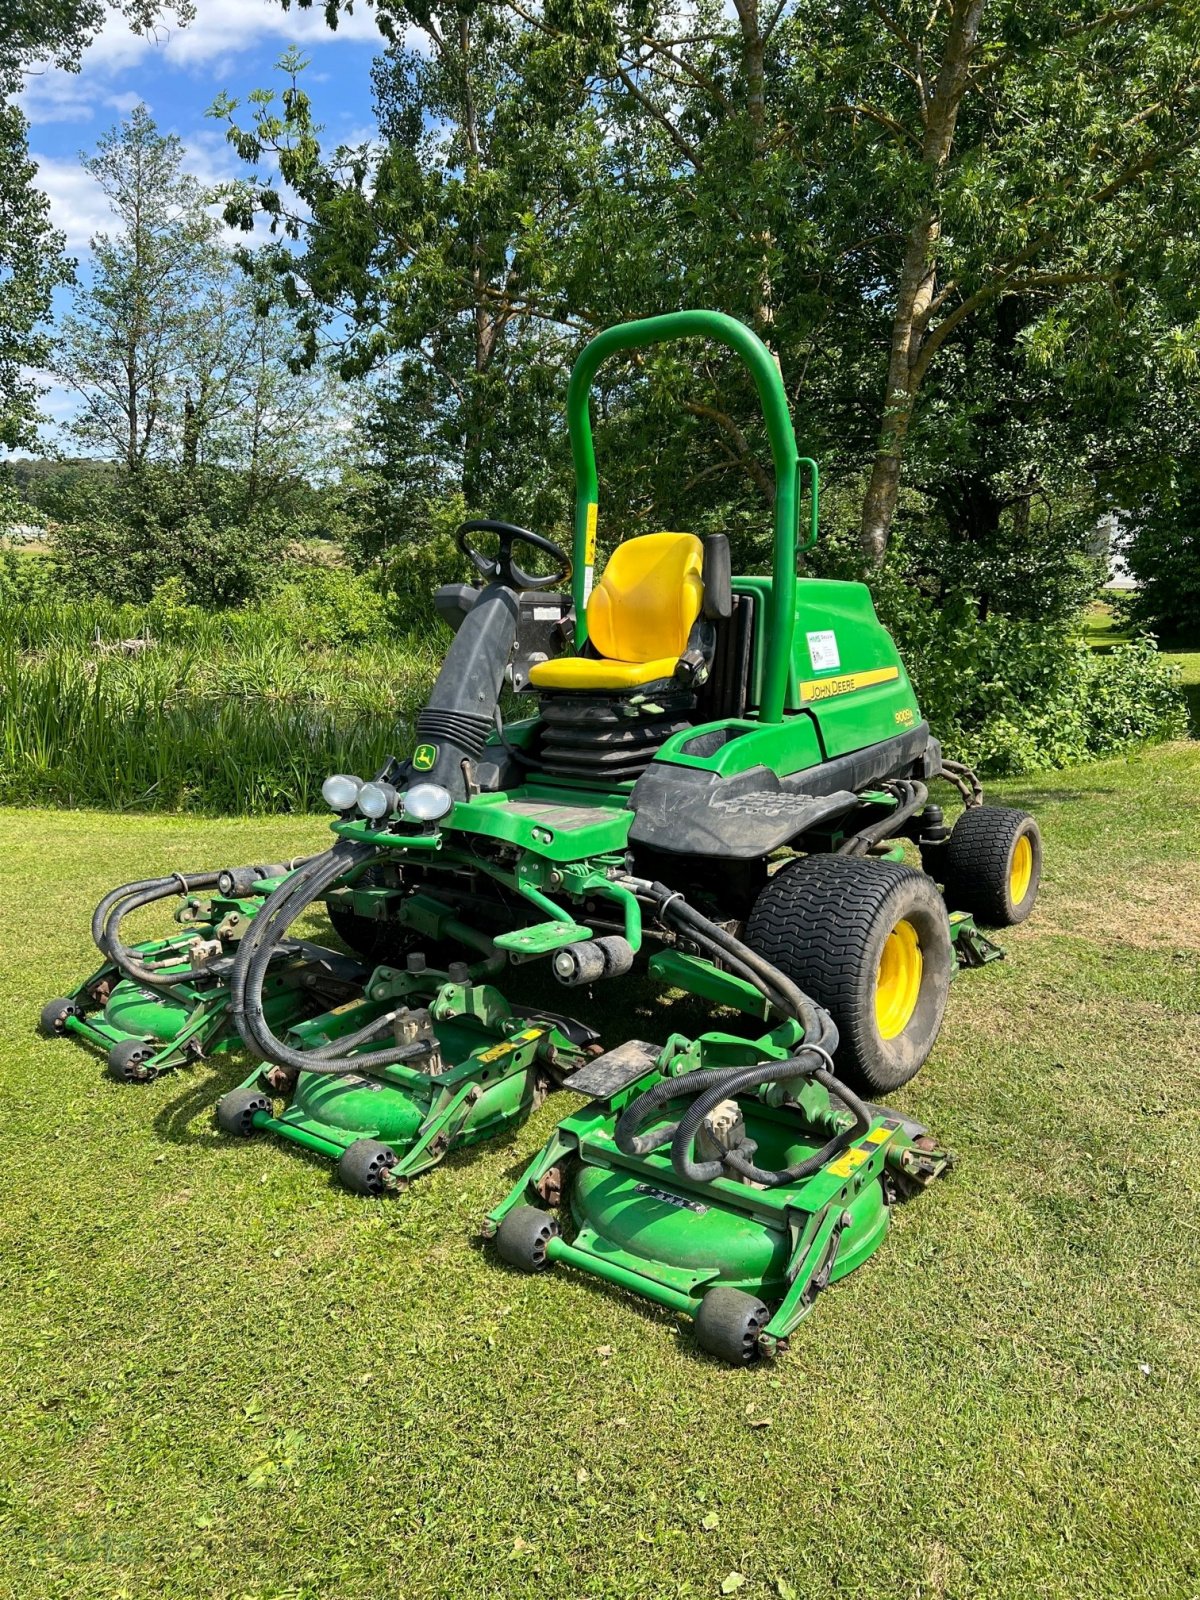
(787, 462)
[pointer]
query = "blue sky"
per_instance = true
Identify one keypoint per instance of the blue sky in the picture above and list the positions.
(233, 46)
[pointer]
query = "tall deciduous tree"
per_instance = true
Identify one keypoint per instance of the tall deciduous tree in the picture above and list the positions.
(997, 151)
(438, 255)
(133, 329)
(32, 265)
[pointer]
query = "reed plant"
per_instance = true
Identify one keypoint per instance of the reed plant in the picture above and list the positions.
(110, 705)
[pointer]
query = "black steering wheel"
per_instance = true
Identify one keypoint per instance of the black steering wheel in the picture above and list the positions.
(501, 567)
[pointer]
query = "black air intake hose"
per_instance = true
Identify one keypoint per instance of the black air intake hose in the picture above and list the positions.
(461, 728)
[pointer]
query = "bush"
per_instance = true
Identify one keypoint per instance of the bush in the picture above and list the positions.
(123, 536)
(1008, 695)
(329, 605)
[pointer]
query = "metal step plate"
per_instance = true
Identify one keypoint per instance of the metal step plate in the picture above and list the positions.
(615, 1070)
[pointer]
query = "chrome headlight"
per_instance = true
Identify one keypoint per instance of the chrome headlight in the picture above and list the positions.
(427, 802)
(376, 800)
(340, 791)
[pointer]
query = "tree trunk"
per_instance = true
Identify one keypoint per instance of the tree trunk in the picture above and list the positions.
(754, 68)
(912, 300)
(915, 290)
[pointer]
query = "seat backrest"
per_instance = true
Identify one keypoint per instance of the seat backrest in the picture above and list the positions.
(648, 598)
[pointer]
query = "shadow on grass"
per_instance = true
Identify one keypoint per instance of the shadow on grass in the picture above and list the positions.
(175, 1122)
(1191, 694)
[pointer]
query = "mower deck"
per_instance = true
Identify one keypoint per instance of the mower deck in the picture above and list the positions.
(637, 1224)
(481, 1070)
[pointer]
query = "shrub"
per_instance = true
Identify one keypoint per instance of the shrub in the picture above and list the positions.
(123, 536)
(329, 605)
(1009, 695)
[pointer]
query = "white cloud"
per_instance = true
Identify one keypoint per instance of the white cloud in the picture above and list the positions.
(222, 29)
(80, 209)
(77, 205)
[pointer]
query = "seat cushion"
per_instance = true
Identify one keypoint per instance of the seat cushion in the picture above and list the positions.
(648, 599)
(639, 616)
(582, 673)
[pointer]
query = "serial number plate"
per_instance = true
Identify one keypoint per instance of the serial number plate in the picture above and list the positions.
(671, 1199)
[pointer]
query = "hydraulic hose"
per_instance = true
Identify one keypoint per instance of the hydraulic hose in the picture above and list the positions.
(705, 1089)
(738, 1157)
(253, 958)
(911, 796)
(120, 902)
(129, 897)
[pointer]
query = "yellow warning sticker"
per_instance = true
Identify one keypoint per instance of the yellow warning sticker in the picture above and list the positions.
(589, 543)
(507, 1046)
(861, 1152)
(825, 688)
(850, 1162)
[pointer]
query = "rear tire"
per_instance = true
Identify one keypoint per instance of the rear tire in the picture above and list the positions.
(993, 865)
(869, 941)
(728, 1324)
(376, 941)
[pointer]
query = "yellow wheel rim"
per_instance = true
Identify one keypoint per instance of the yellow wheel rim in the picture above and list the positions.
(1020, 873)
(898, 981)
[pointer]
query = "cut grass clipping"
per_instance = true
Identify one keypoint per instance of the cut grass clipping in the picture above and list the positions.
(225, 1377)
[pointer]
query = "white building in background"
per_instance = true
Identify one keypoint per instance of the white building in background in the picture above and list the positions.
(1109, 540)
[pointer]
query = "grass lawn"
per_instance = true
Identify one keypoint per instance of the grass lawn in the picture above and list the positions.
(226, 1377)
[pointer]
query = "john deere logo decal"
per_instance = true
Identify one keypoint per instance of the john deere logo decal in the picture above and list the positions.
(424, 757)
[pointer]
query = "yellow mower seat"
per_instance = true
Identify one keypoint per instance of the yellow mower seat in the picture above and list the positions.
(639, 616)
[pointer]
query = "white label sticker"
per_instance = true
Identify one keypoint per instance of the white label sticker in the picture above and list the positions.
(546, 613)
(823, 651)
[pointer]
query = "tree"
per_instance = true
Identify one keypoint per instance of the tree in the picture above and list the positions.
(436, 257)
(868, 186)
(31, 267)
(178, 355)
(32, 264)
(996, 152)
(134, 328)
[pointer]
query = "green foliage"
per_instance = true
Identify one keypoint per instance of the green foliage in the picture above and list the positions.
(1164, 556)
(1009, 695)
(173, 706)
(330, 604)
(126, 534)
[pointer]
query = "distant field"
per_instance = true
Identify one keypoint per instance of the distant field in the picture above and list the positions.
(226, 1377)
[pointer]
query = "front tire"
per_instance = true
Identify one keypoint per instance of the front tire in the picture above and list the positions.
(993, 865)
(869, 941)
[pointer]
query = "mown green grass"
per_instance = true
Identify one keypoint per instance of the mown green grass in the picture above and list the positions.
(225, 1377)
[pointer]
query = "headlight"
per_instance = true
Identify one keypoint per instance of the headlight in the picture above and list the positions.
(339, 792)
(376, 800)
(427, 802)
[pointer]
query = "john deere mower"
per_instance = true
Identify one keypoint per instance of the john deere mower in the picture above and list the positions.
(720, 783)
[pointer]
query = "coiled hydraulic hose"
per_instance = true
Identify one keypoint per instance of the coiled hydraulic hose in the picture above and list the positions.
(708, 1087)
(120, 902)
(270, 925)
(129, 897)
